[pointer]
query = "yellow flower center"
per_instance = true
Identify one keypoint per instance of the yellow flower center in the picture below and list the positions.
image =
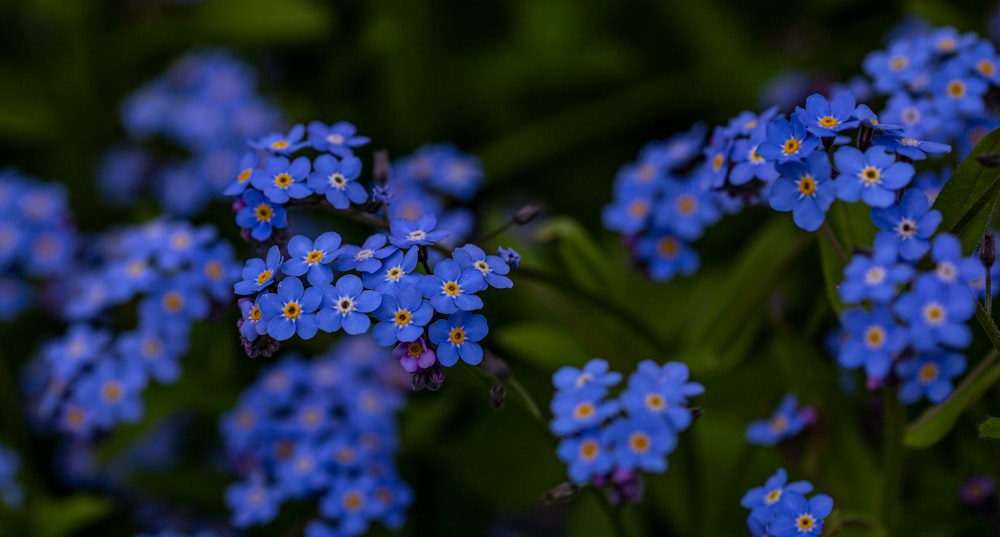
(828, 122)
(928, 372)
(870, 175)
(152, 347)
(255, 314)
(668, 247)
(898, 63)
(639, 442)
(292, 310)
(934, 313)
(588, 450)
(75, 416)
(353, 501)
(263, 277)
(282, 180)
(772, 497)
(655, 402)
(874, 337)
(686, 204)
(452, 289)
(638, 208)
(246, 419)
(457, 335)
(986, 68)
(403, 317)
(244, 175)
(779, 424)
(213, 269)
(112, 391)
(805, 522)
(394, 273)
(807, 185)
(280, 144)
(646, 173)
(314, 257)
(583, 410)
(263, 212)
(414, 349)
(956, 89)
(173, 301)
(717, 162)
(791, 146)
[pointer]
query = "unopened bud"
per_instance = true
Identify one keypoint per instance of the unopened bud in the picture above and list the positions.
(561, 493)
(528, 213)
(988, 249)
(695, 413)
(428, 379)
(264, 346)
(989, 160)
(497, 395)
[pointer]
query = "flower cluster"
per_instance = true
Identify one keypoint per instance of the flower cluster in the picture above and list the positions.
(780, 509)
(787, 421)
(92, 378)
(906, 320)
(206, 104)
(606, 442)
(304, 286)
(10, 491)
(322, 429)
(37, 239)
(936, 83)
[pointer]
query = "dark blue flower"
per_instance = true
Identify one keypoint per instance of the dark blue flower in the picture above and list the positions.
(340, 138)
(826, 118)
(787, 140)
(805, 189)
(872, 176)
(457, 337)
(786, 422)
(260, 215)
(402, 315)
(930, 375)
(291, 310)
(312, 258)
(451, 289)
(280, 179)
(367, 257)
(336, 180)
(258, 273)
(347, 306)
(874, 339)
(406, 233)
(908, 225)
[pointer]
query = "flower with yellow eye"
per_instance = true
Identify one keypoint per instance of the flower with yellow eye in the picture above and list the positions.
(292, 310)
(804, 189)
(874, 340)
(457, 337)
(281, 180)
(403, 316)
(787, 140)
(451, 289)
(313, 258)
(347, 306)
(259, 273)
(929, 375)
(872, 176)
(259, 215)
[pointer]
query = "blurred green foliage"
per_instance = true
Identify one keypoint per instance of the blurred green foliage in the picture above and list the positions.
(554, 95)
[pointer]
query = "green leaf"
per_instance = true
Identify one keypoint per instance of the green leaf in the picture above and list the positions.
(967, 199)
(724, 314)
(585, 261)
(241, 20)
(546, 345)
(990, 428)
(69, 516)
(938, 420)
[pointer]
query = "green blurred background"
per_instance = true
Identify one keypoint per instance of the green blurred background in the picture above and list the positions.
(554, 96)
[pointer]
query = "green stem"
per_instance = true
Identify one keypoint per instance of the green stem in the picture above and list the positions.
(894, 418)
(612, 512)
(529, 401)
(623, 315)
(830, 236)
(986, 321)
(989, 293)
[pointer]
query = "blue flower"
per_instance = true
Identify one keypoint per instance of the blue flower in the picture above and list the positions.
(247, 165)
(594, 372)
(397, 270)
(956, 90)
(340, 138)
(509, 256)
(291, 310)
(260, 215)
(312, 258)
(908, 225)
(281, 143)
(642, 442)
(896, 67)
(451, 289)
(950, 265)
(686, 210)
(804, 189)
(629, 213)
(252, 502)
(936, 313)
(587, 455)
(910, 148)
(336, 180)
(787, 421)
(877, 277)
(580, 409)
(874, 340)
(872, 176)
(250, 321)
(402, 316)
(666, 255)
(797, 517)
(367, 257)
(258, 273)
(930, 375)
(661, 391)
(112, 390)
(457, 337)
(406, 233)
(281, 180)
(347, 306)
(158, 355)
(772, 491)
(787, 140)
(748, 163)
(825, 118)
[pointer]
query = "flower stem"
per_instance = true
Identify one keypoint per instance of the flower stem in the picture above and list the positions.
(831, 237)
(623, 315)
(612, 512)
(893, 418)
